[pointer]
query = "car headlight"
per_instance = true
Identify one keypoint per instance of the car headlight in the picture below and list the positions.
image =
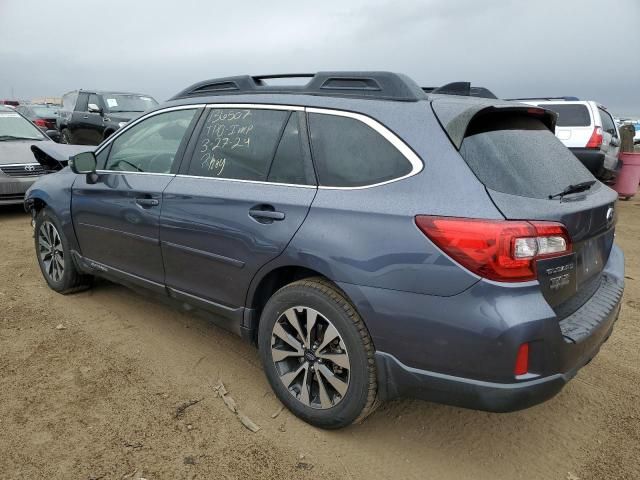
(122, 124)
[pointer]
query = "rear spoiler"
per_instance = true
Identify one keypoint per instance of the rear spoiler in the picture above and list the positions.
(455, 115)
(55, 156)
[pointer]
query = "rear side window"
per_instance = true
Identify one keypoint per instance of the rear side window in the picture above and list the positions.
(607, 122)
(238, 143)
(520, 156)
(349, 153)
(570, 115)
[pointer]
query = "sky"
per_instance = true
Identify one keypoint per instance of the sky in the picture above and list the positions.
(516, 48)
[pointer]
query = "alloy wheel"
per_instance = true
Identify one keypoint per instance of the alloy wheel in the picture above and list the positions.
(51, 251)
(310, 357)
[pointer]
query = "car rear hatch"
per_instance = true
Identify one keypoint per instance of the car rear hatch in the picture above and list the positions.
(512, 150)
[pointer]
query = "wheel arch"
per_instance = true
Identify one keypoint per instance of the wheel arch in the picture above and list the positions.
(268, 282)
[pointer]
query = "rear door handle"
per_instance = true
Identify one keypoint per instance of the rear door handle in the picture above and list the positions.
(266, 214)
(148, 202)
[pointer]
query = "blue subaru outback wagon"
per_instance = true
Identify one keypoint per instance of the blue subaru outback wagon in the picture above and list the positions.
(372, 239)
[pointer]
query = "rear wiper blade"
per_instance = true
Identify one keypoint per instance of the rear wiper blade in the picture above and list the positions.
(577, 188)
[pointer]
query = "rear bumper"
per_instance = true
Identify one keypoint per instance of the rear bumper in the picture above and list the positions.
(602, 166)
(12, 189)
(461, 350)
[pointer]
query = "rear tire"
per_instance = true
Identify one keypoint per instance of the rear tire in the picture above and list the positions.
(317, 354)
(54, 256)
(66, 137)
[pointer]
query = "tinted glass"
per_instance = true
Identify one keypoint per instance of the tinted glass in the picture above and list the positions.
(151, 145)
(237, 144)
(349, 153)
(570, 115)
(94, 99)
(607, 122)
(520, 156)
(15, 127)
(81, 104)
(288, 165)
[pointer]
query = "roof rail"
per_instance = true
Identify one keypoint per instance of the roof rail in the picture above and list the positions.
(461, 88)
(566, 99)
(374, 85)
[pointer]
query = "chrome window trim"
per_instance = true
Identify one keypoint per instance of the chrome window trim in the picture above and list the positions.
(392, 138)
(122, 172)
(415, 161)
(239, 180)
(256, 106)
(120, 131)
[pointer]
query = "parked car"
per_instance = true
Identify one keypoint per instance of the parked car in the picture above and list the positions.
(373, 240)
(88, 117)
(42, 115)
(10, 103)
(18, 170)
(589, 131)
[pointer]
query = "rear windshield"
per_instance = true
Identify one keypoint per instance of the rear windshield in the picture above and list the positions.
(45, 112)
(518, 155)
(570, 115)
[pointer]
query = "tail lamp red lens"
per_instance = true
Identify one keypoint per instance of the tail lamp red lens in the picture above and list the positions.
(500, 250)
(40, 122)
(522, 360)
(596, 138)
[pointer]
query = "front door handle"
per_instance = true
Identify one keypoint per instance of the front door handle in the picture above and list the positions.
(266, 214)
(148, 202)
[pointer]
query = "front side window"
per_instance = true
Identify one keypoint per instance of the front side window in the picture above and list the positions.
(152, 144)
(349, 153)
(83, 101)
(94, 100)
(238, 143)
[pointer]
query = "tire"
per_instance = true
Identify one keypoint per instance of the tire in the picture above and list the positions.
(58, 268)
(66, 137)
(339, 378)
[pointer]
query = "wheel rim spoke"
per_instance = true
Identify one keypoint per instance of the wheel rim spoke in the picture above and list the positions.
(340, 359)
(335, 382)
(318, 377)
(292, 318)
(51, 251)
(330, 335)
(325, 401)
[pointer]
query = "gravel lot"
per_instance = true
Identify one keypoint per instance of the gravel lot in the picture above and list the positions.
(90, 387)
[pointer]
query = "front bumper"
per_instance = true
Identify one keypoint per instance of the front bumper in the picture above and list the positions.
(12, 189)
(461, 350)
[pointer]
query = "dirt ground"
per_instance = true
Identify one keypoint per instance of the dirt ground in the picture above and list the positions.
(90, 386)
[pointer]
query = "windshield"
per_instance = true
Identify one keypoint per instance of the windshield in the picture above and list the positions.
(128, 103)
(44, 111)
(518, 155)
(570, 115)
(14, 127)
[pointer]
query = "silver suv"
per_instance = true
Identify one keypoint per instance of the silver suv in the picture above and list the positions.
(588, 130)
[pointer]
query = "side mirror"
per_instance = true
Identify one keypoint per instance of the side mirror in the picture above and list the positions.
(93, 108)
(53, 135)
(83, 163)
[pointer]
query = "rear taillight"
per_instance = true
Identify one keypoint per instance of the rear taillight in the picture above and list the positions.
(596, 138)
(500, 250)
(40, 122)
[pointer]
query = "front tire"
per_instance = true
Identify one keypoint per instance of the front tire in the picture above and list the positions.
(317, 354)
(54, 256)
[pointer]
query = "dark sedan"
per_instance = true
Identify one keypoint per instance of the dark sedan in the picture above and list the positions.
(41, 115)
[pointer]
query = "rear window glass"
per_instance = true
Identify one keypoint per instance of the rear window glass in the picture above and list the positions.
(570, 115)
(518, 155)
(349, 153)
